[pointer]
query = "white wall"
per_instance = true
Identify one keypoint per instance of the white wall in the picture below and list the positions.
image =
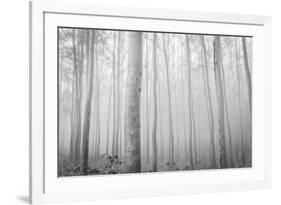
(14, 100)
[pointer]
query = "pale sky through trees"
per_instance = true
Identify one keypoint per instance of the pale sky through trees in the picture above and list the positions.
(133, 102)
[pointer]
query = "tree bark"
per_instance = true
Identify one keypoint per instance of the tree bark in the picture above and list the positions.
(160, 128)
(87, 115)
(171, 132)
(207, 92)
(79, 85)
(147, 102)
(190, 104)
(132, 107)
(230, 155)
(248, 74)
(233, 90)
(72, 140)
(240, 107)
(220, 102)
(74, 100)
(114, 96)
(118, 94)
(183, 101)
(154, 126)
(108, 115)
(249, 85)
(97, 147)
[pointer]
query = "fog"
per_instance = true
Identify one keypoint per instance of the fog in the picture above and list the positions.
(178, 84)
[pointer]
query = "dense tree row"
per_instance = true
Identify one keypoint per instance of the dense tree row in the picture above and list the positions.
(140, 102)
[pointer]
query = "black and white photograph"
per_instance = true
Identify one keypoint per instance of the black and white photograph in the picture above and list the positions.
(151, 101)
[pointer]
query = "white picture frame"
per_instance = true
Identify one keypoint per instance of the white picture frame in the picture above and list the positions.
(45, 187)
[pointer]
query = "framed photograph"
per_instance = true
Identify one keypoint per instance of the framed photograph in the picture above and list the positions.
(129, 102)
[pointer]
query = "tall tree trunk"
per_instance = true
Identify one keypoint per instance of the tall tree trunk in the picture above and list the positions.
(72, 140)
(183, 101)
(79, 85)
(240, 107)
(61, 96)
(154, 125)
(121, 110)
(97, 147)
(87, 115)
(175, 97)
(193, 127)
(147, 102)
(114, 96)
(230, 152)
(87, 55)
(132, 107)
(108, 115)
(190, 104)
(74, 100)
(207, 92)
(233, 90)
(121, 120)
(93, 121)
(249, 85)
(171, 132)
(220, 101)
(118, 94)
(248, 74)
(160, 129)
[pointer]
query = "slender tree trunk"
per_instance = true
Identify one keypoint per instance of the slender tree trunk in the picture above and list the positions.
(175, 97)
(176, 123)
(72, 141)
(121, 119)
(114, 96)
(93, 121)
(160, 129)
(87, 55)
(79, 85)
(61, 112)
(193, 126)
(132, 107)
(171, 132)
(74, 100)
(108, 116)
(248, 74)
(147, 102)
(154, 126)
(231, 160)
(118, 94)
(183, 101)
(87, 115)
(190, 103)
(220, 101)
(207, 92)
(121, 110)
(97, 147)
(249, 85)
(240, 107)
(235, 141)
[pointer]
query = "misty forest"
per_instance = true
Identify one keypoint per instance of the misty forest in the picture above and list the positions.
(132, 102)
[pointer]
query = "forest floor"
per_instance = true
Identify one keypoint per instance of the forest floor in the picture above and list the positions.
(112, 165)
